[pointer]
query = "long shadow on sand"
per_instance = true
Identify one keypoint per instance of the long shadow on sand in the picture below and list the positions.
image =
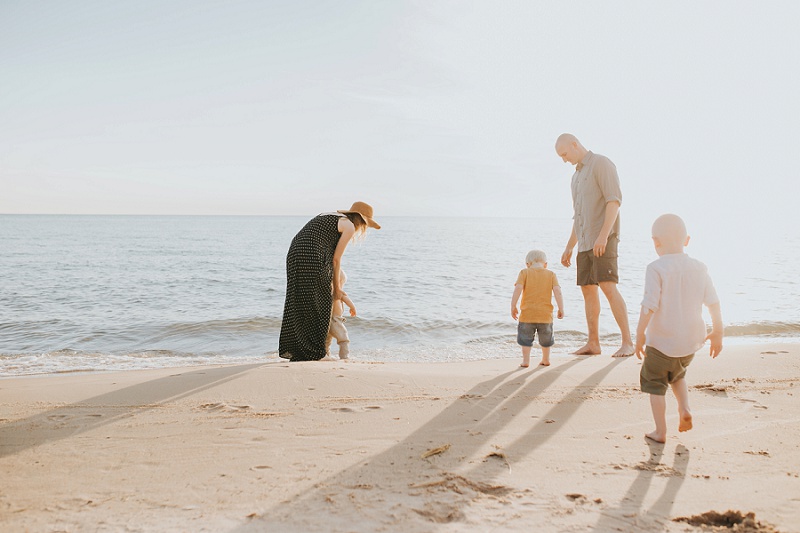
(628, 515)
(92, 413)
(376, 493)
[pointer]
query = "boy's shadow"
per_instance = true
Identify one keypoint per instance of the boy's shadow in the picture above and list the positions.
(628, 514)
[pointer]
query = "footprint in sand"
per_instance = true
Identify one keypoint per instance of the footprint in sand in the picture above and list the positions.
(343, 410)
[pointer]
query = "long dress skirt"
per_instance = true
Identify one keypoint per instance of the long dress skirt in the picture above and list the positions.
(309, 298)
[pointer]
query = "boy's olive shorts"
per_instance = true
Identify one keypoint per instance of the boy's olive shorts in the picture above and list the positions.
(659, 370)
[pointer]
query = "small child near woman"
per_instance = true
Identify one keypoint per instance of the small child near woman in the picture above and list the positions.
(337, 329)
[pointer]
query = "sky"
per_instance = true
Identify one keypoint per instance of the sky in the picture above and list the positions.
(430, 108)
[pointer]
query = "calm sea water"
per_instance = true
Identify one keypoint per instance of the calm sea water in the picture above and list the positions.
(93, 293)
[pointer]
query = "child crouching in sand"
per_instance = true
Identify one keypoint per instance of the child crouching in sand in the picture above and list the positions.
(536, 285)
(676, 288)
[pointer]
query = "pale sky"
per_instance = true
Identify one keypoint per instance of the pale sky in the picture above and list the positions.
(420, 108)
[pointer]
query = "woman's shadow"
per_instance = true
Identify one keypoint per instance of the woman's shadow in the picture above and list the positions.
(80, 417)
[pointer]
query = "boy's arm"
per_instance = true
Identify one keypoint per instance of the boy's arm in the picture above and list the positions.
(644, 319)
(515, 299)
(346, 299)
(716, 329)
(559, 300)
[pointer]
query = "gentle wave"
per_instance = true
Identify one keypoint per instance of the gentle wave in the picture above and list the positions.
(761, 329)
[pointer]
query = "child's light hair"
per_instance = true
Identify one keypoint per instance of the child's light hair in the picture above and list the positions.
(536, 256)
(342, 277)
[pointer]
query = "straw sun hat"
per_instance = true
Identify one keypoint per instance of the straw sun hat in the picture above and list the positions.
(365, 210)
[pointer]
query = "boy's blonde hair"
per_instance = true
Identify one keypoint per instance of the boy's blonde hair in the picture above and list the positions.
(536, 256)
(342, 277)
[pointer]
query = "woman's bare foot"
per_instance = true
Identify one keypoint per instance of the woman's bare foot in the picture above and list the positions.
(656, 437)
(686, 421)
(588, 349)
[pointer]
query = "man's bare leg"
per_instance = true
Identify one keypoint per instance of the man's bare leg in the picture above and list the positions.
(620, 312)
(591, 303)
(681, 390)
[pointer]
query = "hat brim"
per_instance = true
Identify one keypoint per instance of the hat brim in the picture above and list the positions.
(370, 222)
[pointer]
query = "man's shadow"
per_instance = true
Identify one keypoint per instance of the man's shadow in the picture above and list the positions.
(441, 489)
(80, 417)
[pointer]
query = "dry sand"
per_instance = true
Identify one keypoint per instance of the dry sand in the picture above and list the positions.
(474, 446)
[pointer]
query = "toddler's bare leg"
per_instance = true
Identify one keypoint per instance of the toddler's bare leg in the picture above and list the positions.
(344, 349)
(545, 356)
(681, 390)
(658, 404)
(526, 357)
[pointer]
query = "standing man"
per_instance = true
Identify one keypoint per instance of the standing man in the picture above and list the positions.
(596, 198)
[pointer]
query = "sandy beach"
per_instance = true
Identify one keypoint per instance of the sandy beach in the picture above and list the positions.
(359, 447)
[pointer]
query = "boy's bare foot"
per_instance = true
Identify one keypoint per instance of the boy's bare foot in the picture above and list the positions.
(589, 349)
(524, 365)
(656, 437)
(544, 363)
(686, 422)
(626, 350)
(327, 358)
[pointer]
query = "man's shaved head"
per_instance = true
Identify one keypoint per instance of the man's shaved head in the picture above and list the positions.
(570, 149)
(566, 138)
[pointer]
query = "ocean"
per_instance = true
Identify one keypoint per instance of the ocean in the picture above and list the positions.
(100, 293)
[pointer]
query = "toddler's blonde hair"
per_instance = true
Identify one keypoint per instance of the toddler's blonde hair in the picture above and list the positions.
(536, 256)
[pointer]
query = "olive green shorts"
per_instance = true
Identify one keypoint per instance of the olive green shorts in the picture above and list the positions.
(659, 370)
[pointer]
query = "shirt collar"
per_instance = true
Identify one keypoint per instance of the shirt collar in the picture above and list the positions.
(586, 159)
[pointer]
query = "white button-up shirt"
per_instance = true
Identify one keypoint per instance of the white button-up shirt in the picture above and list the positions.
(675, 289)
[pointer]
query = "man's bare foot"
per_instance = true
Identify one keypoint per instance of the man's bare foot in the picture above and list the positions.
(656, 437)
(588, 349)
(626, 350)
(686, 422)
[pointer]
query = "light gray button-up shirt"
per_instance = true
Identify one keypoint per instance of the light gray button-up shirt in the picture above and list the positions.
(594, 184)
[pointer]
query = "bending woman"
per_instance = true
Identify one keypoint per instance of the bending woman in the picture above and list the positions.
(313, 265)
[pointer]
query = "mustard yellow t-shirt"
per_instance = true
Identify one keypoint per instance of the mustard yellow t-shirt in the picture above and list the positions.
(537, 295)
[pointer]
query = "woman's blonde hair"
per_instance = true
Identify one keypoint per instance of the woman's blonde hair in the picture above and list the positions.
(360, 224)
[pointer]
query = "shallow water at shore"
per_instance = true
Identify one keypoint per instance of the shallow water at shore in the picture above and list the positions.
(92, 293)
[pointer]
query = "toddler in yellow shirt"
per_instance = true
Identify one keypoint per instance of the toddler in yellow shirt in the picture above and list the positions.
(537, 286)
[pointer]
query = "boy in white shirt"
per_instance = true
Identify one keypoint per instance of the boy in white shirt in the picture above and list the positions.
(676, 288)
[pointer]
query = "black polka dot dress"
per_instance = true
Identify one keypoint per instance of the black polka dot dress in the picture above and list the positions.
(309, 298)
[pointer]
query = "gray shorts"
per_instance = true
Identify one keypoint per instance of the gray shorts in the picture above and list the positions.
(526, 332)
(592, 270)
